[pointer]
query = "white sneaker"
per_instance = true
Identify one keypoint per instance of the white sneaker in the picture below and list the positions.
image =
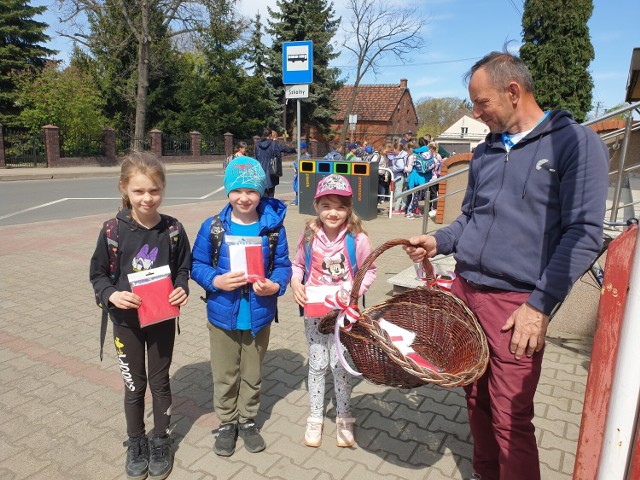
(344, 430)
(313, 433)
(432, 213)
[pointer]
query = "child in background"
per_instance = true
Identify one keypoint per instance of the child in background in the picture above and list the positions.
(399, 175)
(144, 242)
(325, 240)
(304, 155)
(240, 313)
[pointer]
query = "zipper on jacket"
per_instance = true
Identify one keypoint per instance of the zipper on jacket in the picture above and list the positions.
(493, 210)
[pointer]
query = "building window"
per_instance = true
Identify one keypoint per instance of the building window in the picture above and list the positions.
(464, 131)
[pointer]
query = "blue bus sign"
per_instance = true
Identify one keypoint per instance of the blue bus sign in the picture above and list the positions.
(297, 62)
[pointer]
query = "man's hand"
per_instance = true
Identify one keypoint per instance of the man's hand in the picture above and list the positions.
(421, 245)
(529, 330)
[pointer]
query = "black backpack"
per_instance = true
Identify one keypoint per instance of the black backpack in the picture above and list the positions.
(111, 230)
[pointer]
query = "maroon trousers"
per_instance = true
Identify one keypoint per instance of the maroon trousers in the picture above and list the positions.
(500, 403)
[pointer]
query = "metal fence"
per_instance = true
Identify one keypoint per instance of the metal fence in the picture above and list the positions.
(81, 145)
(175, 145)
(126, 143)
(23, 148)
(214, 145)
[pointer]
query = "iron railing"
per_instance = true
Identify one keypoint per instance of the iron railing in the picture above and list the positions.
(23, 148)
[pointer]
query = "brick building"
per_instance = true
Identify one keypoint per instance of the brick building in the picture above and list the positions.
(385, 112)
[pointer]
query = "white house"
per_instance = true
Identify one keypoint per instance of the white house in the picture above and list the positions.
(463, 136)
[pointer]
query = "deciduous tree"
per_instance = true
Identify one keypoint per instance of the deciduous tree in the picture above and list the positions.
(435, 115)
(178, 17)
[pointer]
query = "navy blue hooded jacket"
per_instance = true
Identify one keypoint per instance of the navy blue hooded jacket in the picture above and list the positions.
(222, 306)
(532, 218)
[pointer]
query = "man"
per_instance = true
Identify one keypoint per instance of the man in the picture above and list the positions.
(268, 148)
(406, 138)
(531, 224)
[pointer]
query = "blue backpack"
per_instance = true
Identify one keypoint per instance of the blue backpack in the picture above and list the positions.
(423, 164)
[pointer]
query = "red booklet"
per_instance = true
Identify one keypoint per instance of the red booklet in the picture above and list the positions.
(154, 287)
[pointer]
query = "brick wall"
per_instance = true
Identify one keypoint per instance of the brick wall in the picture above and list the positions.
(449, 207)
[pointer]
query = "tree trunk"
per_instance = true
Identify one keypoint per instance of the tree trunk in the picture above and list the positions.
(143, 80)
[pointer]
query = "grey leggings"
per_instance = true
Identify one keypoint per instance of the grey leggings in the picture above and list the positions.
(322, 354)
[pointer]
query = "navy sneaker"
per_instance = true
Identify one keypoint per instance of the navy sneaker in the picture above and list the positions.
(253, 441)
(226, 437)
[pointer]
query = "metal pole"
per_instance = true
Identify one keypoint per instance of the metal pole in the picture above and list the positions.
(625, 388)
(299, 129)
(623, 157)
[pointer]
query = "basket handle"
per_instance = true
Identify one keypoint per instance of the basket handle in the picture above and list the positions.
(357, 281)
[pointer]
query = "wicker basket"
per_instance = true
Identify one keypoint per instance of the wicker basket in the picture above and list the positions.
(447, 335)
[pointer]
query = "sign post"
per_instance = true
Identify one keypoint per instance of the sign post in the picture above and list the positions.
(297, 74)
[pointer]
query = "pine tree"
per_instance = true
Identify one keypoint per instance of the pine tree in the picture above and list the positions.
(256, 57)
(20, 49)
(298, 20)
(557, 49)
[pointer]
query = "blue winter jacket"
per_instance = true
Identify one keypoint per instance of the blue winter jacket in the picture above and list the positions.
(532, 218)
(222, 306)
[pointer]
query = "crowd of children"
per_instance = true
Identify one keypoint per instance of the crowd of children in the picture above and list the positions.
(240, 258)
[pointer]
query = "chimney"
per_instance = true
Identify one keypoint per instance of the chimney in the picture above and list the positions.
(403, 83)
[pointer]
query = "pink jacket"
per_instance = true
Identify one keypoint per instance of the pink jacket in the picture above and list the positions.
(330, 260)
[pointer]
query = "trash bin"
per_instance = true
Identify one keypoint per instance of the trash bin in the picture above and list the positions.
(306, 186)
(364, 183)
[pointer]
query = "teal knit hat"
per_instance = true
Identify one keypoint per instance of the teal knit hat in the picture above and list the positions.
(244, 172)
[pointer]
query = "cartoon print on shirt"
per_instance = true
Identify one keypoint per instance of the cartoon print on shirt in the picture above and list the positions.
(335, 269)
(144, 259)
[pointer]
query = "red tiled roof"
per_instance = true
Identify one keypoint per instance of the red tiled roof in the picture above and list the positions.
(373, 102)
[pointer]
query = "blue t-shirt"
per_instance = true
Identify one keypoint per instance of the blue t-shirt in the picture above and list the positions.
(244, 312)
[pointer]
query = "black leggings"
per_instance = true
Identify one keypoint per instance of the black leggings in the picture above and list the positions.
(130, 349)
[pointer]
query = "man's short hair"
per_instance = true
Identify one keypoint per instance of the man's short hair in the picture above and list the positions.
(503, 68)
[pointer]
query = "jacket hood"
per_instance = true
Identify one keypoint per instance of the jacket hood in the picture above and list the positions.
(265, 143)
(271, 213)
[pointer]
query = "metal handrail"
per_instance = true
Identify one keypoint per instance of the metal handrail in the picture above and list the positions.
(625, 133)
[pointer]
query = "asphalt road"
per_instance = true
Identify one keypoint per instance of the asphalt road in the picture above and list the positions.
(38, 200)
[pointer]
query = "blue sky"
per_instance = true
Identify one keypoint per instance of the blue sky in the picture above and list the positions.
(458, 32)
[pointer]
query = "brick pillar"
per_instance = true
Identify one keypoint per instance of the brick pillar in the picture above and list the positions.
(313, 148)
(156, 142)
(109, 138)
(52, 145)
(196, 138)
(228, 144)
(3, 163)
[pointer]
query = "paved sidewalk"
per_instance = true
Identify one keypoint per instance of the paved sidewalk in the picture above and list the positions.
(62, 408)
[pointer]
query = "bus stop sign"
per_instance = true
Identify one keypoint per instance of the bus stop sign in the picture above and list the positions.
(297, 62)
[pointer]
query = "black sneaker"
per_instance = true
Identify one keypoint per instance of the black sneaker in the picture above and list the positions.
(160, 458)
(137, 464)
(226, 437)
(253, 441)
